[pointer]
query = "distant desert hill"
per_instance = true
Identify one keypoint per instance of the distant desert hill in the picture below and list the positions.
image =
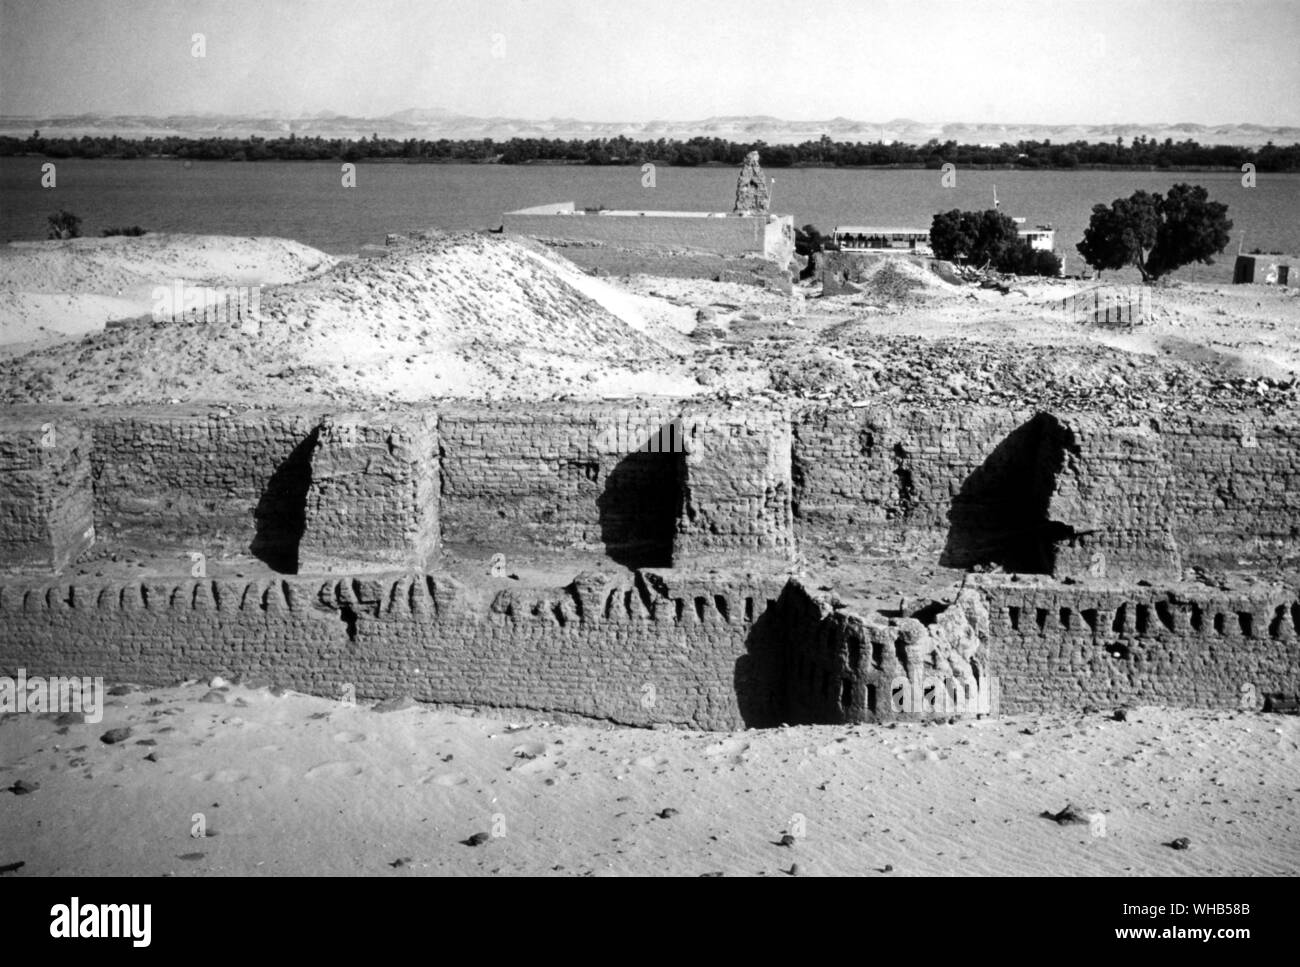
(433, 123)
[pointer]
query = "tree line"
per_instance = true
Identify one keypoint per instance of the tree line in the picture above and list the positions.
(1141, 152)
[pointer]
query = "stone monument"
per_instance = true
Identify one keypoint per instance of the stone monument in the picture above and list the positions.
(752, 194)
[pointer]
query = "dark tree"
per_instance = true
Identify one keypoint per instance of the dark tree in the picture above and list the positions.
(980, 238)
(1024, 259)
(948, 235)
(809, 239)
(1192, 229)
(1156, 234)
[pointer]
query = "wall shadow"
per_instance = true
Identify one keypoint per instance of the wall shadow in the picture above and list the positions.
(639, 505)
(281, 514)
(759, 677)
(999, 517)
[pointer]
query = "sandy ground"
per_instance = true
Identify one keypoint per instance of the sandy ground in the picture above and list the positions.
(492, 317)
(50, 291)
(291, 784)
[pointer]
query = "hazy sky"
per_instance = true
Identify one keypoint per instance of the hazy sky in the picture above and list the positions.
(1036, 61)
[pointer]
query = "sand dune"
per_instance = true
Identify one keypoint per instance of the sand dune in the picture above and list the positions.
(462, 315)
(301, 785)
(50, 290)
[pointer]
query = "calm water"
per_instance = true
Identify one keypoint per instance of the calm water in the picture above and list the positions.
(305, 200)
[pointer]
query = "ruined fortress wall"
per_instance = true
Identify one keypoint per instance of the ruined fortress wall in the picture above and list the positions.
(882, 475)
(1062, 647)
(373, 493)
(736, 483)
(46, 507)
(559, 477)
(638, 654)
(1045, 648)
(1235, 488)
(722, 235)
(1139, 500)
(202, 481)
(702, 651)
(1071, 494)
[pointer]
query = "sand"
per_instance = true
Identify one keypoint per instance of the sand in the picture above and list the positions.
(301, 785)
(471, 315)
(482, 316)
(53, 290)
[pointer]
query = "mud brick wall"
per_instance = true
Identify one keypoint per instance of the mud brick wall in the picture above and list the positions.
(577, 476)
(669, 649)
(204, 481)
(1066, 647)
(1110, 512)
(46, 501)
(1026, 492)
(840, 665)
(373, 492)
(1236, 488)
(883, 475)
(736, 486)
(769, 235)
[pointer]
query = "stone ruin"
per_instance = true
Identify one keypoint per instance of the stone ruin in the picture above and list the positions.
(752, 193)
(1073, 531)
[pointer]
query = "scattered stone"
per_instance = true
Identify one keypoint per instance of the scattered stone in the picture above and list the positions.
(401, 861)
(218, 682)
(22, 787)
(12, 867)
(478, 839)
(190, 857)
(1182, 842)
(713, 873)
(786, 840)
(668, 813)
(1120, 715)
(70, 718)
(793, 870)
(114, 736)
(214, 697)
(1071, 814)
(117, 690)
(887, 868)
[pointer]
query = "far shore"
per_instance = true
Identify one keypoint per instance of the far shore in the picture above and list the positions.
(560, 162)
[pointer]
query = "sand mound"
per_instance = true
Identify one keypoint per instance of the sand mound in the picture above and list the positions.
(59, 289)
(896, 279)
(467, 287)
(462, 315)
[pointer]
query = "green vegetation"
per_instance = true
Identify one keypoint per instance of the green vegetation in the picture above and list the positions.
(64, 225)
(988, 238)
(824, 153)
(1156, 234)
